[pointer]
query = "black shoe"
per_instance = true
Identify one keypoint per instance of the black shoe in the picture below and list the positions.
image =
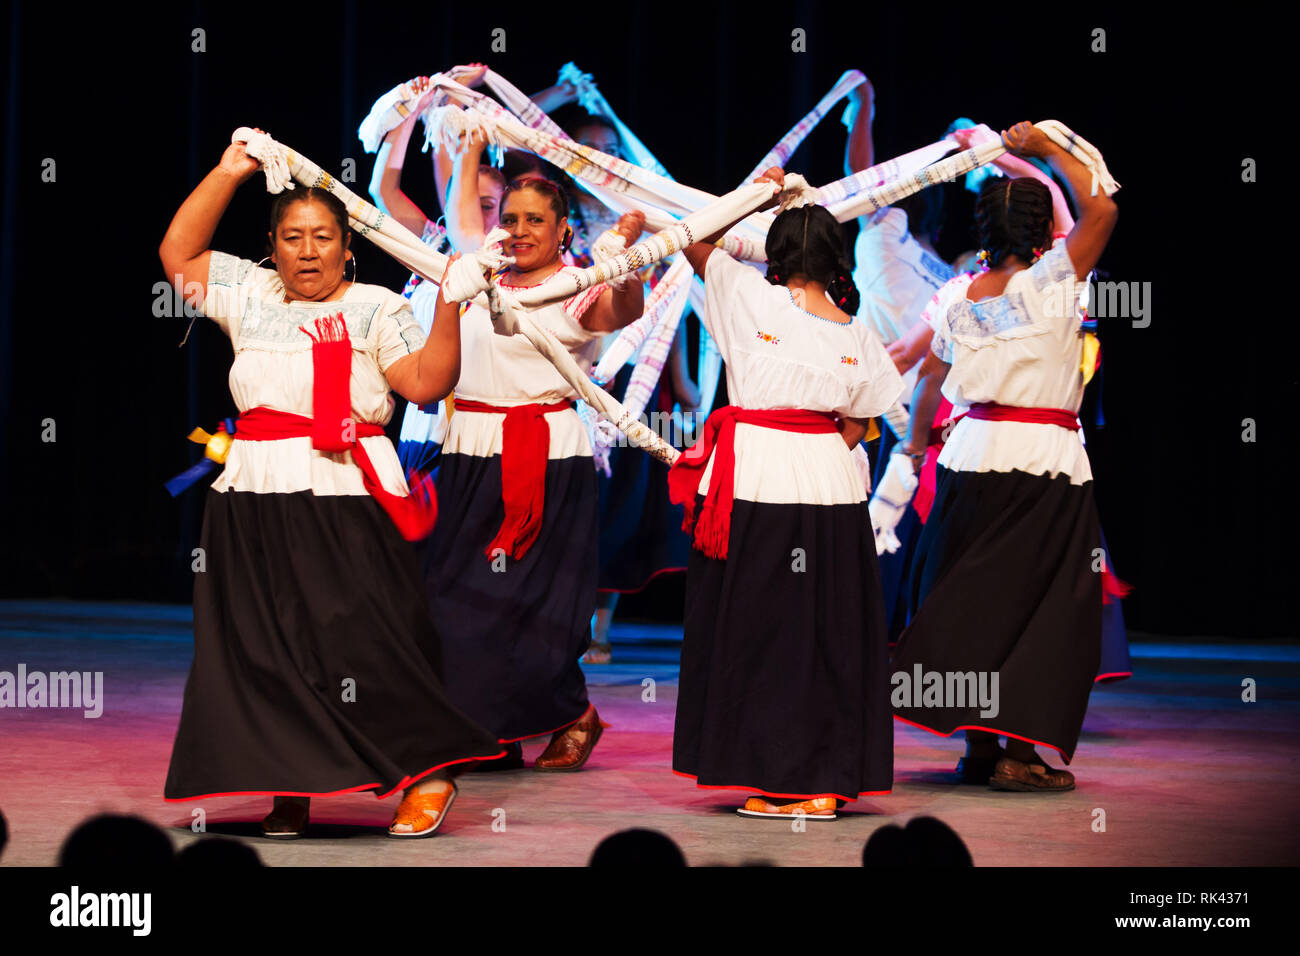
(513, 760)
(978, 770)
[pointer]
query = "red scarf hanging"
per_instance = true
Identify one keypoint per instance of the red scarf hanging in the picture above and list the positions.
(525, 448)
(332, 429)
(711, 532)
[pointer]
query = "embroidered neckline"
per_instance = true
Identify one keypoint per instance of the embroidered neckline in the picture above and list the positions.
(814, 314)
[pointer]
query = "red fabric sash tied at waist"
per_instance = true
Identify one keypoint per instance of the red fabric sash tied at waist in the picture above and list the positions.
(984, 412)
(414, 516)
(525, 447)
(993, 412)
(712, 530)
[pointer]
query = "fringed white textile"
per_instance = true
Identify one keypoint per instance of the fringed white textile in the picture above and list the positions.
(272, 156)
(465, 277)
(449, 127)
(889, 503)
(406, 247)
(609, 244)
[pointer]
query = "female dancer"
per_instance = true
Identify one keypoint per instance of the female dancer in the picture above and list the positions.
(784, 685)
(511, 566)
(424, 429)
(315, 662)
(1003, 584)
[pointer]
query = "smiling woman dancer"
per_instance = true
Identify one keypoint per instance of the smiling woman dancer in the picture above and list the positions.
(784, 676)
(315, 660)
(1003, 584)
(512, 563)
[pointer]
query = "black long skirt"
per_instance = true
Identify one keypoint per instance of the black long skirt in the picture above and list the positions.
(641, 533)
(1004, 583)
(513, 631)
(315, 660)
(784, 675)
(894, 567)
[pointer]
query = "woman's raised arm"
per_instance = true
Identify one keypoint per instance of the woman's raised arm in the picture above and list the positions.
(1097, 214)
(186, 247)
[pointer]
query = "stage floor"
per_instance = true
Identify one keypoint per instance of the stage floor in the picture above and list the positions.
(1186, 772)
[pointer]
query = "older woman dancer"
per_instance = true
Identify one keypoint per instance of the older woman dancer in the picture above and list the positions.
(512, 563)
(315, 666)
(784, 675)
(1003, 585)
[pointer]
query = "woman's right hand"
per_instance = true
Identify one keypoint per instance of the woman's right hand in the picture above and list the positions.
(471, 74)
(1025, 139)
(238, 163)
(773, 174)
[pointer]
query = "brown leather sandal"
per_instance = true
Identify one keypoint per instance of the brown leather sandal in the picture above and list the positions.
(566, 753)
(1021, 777)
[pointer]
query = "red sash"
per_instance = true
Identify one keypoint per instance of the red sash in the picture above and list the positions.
(712, 530)
(981, 411)
(993, 412)
(525, 446)
(414, 515)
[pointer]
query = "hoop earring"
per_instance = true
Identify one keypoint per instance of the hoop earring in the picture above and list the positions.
(352, 260)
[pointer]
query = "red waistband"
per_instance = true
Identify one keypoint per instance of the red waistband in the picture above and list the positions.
(525, 448)
(414, 514)
(712, 530)
(466, 405)
(271, 424)
(993, 412)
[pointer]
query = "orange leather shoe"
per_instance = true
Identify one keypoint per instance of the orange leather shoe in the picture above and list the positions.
(570, 748)
(819, 808)
(420, 814)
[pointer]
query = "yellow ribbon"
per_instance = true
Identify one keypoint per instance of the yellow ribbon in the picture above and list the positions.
(217, 446)
(1091, 348)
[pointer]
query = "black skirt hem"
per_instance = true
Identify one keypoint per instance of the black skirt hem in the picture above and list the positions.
(986, 729)
(362, 788)
(771, 793)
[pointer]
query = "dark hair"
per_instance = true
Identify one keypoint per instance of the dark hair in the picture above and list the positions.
(280, 207)
(555, 196)
(808, 241)
(107, 840)
(637, 847)
(520, 163)
(926, 842)
(571, 117)
(1013, 217)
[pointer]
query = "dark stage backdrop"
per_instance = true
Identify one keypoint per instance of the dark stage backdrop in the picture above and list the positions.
(132, 116)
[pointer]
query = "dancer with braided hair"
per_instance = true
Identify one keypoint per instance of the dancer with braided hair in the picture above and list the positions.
(1003, 583)
(784, 675)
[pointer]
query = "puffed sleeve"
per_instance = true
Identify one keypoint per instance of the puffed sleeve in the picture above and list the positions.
(880, 385)
(732, 294)
(936, 314)
(399, 334)
(230, 283)
(1056, 283)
